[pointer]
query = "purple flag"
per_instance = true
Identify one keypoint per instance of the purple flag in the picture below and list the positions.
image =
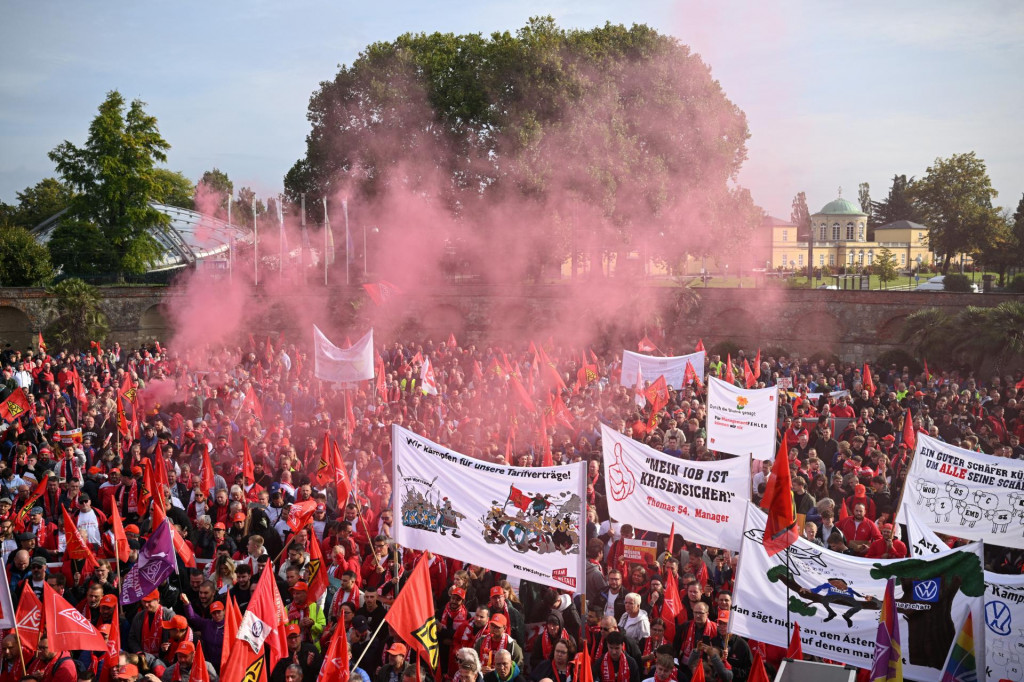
(888, 665)
(156, 562)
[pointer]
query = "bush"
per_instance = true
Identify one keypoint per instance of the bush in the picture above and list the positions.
(959, 283)
(1016, 286)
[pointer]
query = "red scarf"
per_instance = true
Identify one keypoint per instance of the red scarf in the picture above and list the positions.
(609, 674)
(454, 620)
(152, 633)
(710, 630)
(649, 648)
(488, 647)
(546, 645)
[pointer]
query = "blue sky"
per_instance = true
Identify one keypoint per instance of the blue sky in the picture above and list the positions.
(835, 93)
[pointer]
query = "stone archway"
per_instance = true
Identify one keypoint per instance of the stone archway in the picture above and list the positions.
(153, 324)
(889, 331)
(15, 328)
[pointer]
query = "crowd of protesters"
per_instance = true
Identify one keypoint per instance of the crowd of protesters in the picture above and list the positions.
(846, 485)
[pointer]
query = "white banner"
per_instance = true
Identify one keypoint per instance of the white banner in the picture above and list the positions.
(742, 421)
(343, 365)
(651, 490)
(1004, 605)
(967, 494)
(525, 522)
(837, 598)
(652, 367)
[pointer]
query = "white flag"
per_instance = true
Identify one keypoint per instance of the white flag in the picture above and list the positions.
(638, 392)
(340, 365)
(428, 384)
(6, 606)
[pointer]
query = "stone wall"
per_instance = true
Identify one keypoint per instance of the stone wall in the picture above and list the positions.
(851, 324)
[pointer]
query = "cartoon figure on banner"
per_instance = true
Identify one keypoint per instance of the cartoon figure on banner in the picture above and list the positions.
(959, 493)
(538, 524)
(929, 491)
(622, 480)
(943, 507)
(421, 512)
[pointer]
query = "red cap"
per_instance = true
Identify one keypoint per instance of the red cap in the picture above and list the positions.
(859, 490)
(127, 671)
(175, 623)
(300, 587)
(185, 648)
(497, 591)
(499, 619)
(239, 516)
(458, 591)
(109, 600)
(216, 606)
(131, 528)
(154, 595)
(219, 526)
(293, 629)
(398, 649)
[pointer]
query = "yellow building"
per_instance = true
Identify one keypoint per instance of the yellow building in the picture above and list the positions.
(840, 238)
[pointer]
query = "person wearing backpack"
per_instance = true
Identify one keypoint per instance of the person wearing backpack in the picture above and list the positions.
(55, 666)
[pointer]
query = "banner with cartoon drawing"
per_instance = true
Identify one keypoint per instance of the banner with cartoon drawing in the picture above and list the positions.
(742, 421)
(525, 522)
(1004, 605)
(967, 494)
(706, 501)
(837, 598)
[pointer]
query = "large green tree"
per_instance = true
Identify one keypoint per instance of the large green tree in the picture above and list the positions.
(174, 189)
(955, 197)
(213, 192)
(616, 138)
(801, 217)
(899, 204)
(115, 176)
(43, 200)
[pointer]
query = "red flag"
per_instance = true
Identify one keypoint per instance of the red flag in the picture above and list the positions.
(14, 406)
(29, 616)
(584, 667)
(518, 498)
(689, 374)
(317, 580)
(757, 365)
(869, 384)
(244, 664)
(412, 614)
(673, 605)
(843, 514)
(646, 345)
(158, 511)
(19, 520)
(129, 390)
(335, 667)
(181, 548)
(381, 385)
(670, 544)
(382, 292)
(199, 672)
(478, 372)
(451, 340)
(122, 420)
(77, 548)
(780, 532)
(208, 480)
(342, 484)
(66, 628)
(80, 394)
(909, 436)
(252, 403)
(698, 671)
(757, 671)
(657, 396)
(147, 491)
(700, 346)
(1020, 385)
(509, 450)
(300, 514)
(232, 621)
(592, 355)
(121, 549)
(927, 374)
(549, 371)
(42, 344)
(248, 467)
(521, 394)
(113, 656)
(730, 376)
(265, 620)
(748, 376)
(350, 416)
(324, 471)
(795, 650)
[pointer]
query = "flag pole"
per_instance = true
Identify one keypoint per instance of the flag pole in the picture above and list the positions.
(231, 246)
(255, 243)
(348, 241)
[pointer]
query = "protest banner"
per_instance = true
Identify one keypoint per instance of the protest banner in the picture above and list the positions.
(650, 367)
(639, 551)
(651, 490)
(526, 522)
(742, 421)
(836, 599)
(1004, 604)
(343, 365)
(967, 494)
